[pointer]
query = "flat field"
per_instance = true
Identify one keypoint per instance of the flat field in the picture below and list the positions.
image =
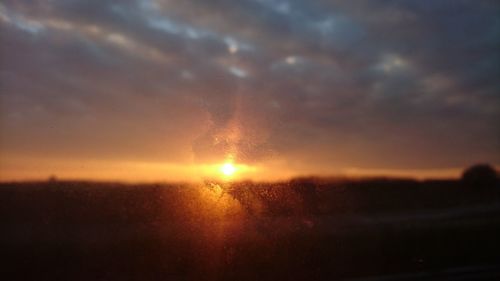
(304, 229)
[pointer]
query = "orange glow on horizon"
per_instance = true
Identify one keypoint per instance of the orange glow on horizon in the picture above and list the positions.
(26, 168)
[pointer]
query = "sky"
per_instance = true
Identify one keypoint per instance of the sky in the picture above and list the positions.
(168, 90)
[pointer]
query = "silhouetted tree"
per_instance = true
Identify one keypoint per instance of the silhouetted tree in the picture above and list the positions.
(480, 175)
(52, 178)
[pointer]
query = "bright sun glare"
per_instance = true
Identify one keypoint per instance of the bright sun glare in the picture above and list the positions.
(228, 169)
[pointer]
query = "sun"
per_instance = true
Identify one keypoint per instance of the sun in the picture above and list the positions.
(228, 169)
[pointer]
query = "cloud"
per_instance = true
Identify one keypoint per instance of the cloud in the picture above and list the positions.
(323, 83)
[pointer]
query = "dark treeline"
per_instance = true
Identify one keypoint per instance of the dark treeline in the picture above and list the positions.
(301, 196)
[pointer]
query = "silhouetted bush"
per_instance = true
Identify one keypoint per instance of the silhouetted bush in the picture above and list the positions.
(480, 175)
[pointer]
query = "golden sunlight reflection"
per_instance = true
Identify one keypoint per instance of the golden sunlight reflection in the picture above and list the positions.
(223, 221)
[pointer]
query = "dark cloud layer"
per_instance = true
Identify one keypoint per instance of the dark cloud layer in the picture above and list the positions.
(374, 84)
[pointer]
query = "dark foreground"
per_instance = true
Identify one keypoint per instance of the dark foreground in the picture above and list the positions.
(300, 230)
